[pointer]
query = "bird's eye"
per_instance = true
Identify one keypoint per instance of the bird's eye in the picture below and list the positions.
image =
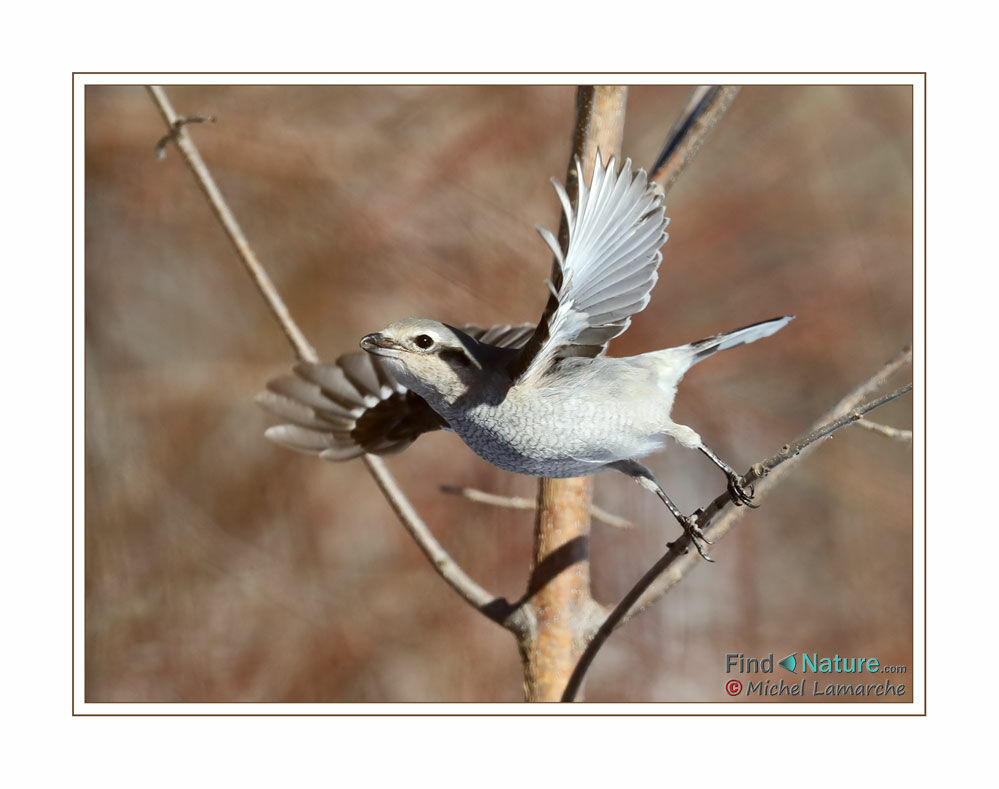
(423, 341)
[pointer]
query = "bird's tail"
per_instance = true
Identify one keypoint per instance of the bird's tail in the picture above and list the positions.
(701, 349)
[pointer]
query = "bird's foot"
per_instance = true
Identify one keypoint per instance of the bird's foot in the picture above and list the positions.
(740, 493)
(697, 537)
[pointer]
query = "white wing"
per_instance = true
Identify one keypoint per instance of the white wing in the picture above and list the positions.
(606, 273)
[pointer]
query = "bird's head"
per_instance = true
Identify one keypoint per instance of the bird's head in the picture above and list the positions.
(436, 361)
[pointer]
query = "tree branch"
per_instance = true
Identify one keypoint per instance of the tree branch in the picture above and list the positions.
(896, 433)
(495, 608)
(706, 106)
(178, 134)
(563, 604)
(718, 517)
(724, 521)
(560, 602)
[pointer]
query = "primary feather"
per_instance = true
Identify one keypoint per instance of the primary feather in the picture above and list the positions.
(607, 271)
(356, 406)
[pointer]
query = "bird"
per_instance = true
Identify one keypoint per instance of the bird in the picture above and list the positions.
(537, 399)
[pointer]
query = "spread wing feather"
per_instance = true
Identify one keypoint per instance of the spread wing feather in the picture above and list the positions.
(607, 271)
(355, 406)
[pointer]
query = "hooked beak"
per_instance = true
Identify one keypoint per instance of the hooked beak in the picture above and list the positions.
(379, 344)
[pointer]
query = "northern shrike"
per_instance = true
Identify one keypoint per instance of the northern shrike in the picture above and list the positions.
(540, 400)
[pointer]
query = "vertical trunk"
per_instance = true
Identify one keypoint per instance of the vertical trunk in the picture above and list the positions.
(561, 604)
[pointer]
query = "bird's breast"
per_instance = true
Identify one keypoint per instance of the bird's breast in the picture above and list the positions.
(559, 433)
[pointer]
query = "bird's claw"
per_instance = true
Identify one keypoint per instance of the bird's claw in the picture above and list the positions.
(738, 491)
(696, 536)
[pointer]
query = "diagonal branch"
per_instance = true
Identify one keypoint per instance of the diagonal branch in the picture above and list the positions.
(692, 127)
(178, 134)
(718, 518)
(896, 433)
(724, 521)
(497, 609)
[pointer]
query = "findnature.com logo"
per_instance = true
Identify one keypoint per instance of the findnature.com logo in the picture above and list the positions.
(812, 663)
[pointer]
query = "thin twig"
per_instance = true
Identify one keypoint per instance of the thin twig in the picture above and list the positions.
(175, 127)
(495, 608)
(875, 383)
(673, 566)
(524, 503)
(896, 433)
(704, 109)
(303, 349)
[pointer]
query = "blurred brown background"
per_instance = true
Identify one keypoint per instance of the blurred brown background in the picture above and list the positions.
(222, 568)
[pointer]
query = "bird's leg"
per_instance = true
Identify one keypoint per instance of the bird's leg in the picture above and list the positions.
(736, 484)
(688, 523)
